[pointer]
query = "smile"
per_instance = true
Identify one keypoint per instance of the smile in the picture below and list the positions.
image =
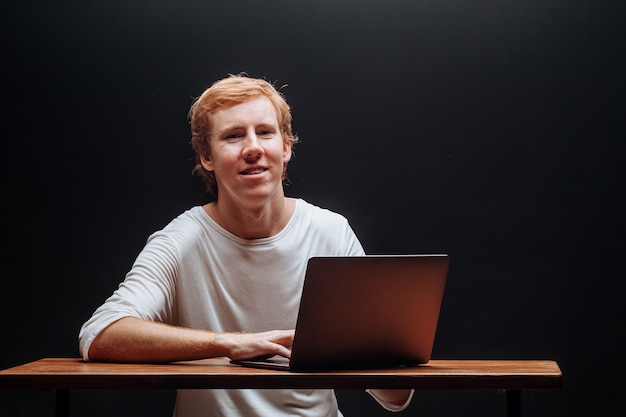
(253, 171)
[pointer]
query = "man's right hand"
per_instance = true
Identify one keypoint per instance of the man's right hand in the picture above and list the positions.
(251, 345)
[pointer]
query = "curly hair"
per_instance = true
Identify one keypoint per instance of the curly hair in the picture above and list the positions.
(226, 93)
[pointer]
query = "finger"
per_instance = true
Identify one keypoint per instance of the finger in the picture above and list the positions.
(283, 351)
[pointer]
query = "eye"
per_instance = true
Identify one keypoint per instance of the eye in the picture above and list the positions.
(232, 137)
(265, 133)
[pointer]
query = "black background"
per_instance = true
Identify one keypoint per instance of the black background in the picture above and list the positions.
(490, 130)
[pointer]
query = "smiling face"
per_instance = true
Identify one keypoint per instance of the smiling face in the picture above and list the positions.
(248, 153)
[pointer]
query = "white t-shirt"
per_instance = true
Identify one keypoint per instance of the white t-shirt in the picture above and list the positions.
(196, 274)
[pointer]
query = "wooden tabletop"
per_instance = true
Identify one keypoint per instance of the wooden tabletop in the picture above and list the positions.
(73, 373)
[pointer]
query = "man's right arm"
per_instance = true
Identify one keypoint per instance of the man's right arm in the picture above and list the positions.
(131, 339)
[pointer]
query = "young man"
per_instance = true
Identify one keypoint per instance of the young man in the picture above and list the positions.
(224, 279)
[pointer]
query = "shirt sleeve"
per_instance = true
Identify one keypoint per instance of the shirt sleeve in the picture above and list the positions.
(392, 407)
(147, 292)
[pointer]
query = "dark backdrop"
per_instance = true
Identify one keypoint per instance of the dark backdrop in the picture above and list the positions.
(490, 130)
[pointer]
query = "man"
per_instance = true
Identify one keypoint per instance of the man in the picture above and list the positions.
(224, 279)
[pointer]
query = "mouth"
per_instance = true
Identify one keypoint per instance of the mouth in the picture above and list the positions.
(253, 171)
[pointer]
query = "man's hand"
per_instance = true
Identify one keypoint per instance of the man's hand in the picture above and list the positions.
(251, 345)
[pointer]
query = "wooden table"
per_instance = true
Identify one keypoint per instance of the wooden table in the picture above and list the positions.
(65, 374)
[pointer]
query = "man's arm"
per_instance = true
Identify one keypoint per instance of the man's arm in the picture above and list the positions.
(132, 339)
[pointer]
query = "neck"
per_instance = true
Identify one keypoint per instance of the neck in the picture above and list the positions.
(252, 222)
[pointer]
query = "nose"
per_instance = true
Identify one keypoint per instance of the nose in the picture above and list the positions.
(252, 148)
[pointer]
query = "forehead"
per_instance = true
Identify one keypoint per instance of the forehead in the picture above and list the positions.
(258, 110)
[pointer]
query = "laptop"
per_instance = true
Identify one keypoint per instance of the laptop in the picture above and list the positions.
(365, 312)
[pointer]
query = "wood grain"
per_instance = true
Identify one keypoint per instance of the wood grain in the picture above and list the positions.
(73, 373)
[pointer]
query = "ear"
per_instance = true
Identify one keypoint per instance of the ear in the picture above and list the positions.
(206, 163)
(286, 152)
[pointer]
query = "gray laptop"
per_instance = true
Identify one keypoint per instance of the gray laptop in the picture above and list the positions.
(365, 312)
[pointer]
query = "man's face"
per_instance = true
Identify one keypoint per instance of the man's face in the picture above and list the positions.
(248, 153)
